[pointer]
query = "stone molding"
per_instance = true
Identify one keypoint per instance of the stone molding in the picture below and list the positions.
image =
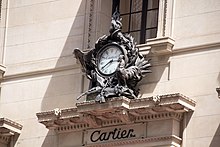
(91, 22)
(158, 46)
(116, 111)
(4, 139)
(70, 126)
(156, 141)
(8, 128)
(165, 18)
(45, 68)
(201, 47)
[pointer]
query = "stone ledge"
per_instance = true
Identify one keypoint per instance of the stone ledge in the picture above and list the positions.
(158, 46)
(177, 102)
(151, 141)
(26, 69)
(116, 111)
(8, 128)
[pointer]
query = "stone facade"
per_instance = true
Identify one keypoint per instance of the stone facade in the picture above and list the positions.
(39, 76)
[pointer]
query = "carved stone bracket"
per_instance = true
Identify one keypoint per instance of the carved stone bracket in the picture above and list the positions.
(116, 111)
(8, 128)
(57, 117)
(91, 120)
(159, 46)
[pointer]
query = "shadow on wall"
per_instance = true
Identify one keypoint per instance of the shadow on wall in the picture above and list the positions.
(68, 82)
(153, 82)
(185, 122)
(65, 82)
(216, 138)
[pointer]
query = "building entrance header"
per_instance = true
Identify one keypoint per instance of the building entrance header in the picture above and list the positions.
(115, 133)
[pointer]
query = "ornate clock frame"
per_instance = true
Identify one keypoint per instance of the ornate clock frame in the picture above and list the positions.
(115, 61)
(131, 65)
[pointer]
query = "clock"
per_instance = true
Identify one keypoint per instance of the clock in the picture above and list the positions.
(108, 59)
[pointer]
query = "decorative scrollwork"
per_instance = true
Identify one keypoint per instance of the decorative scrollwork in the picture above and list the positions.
(131, 65)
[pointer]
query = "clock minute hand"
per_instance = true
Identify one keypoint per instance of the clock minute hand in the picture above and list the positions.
(107, 63)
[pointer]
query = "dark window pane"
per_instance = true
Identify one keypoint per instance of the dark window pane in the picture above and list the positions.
(124, 6)
(135, 21)
(136, 5)
(152, 18)
(125, 23)
(152, 4)
(141, 24)
(152, 33)
(136, 36)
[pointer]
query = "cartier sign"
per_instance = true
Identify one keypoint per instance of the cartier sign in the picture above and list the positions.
(115, 133)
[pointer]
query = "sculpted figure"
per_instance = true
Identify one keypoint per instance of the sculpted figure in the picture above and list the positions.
(114, 66)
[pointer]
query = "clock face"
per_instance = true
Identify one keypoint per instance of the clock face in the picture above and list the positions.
(108, 59)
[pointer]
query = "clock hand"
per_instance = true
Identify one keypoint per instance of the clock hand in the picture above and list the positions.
(107, 63)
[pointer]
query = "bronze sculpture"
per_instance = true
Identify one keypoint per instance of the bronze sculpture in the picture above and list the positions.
(114, 66)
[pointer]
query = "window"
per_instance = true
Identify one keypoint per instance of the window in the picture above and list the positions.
(139, 18)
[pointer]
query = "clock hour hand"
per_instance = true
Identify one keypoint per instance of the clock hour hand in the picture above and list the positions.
(107, 63)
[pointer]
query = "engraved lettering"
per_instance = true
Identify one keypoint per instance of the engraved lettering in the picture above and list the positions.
(119, 131)
(114, 137)
(130, 132)
(102, 136)
(124, 134)
(116, 134)
(91, 137)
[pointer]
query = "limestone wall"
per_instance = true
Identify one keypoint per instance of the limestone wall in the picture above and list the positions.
(42, 74)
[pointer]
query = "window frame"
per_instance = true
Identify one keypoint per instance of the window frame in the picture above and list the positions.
(144, 11)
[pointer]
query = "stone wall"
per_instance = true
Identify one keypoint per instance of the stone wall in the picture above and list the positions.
(42, 74)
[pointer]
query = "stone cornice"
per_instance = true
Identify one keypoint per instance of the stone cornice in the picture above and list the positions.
(45, 68)
(116, 111)
(177, 102)
(8, 128)
(200, 47)
(158, 46)
(165, 140)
